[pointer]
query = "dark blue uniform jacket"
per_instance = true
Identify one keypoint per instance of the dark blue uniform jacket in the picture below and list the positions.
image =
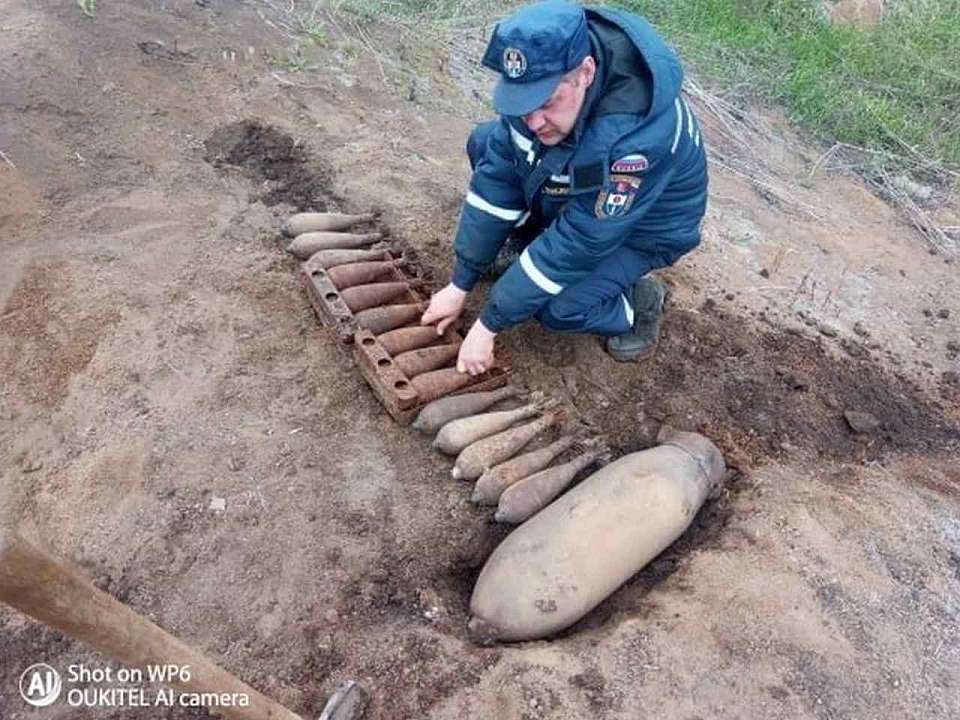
(633, 171)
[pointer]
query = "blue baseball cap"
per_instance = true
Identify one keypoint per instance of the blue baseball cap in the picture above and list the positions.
(532, 50)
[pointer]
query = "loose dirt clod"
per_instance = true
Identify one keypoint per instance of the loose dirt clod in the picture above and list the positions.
(265, 153)
(861, 422)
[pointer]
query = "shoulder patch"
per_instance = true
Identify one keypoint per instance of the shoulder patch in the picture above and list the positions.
(617, 196)
(634, 163)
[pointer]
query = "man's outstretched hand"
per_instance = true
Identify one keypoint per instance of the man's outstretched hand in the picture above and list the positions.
(445, 307)
(476, 353)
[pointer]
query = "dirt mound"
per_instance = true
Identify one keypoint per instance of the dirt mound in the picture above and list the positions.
(268, 154)
(759, 394)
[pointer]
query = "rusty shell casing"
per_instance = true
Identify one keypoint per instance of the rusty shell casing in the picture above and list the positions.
(305, 245)
(313, 221)
(363, 297)
(389, 317)
(326, 259)
(360, 273)
(417, 362)
(405, 339)
(437, 383)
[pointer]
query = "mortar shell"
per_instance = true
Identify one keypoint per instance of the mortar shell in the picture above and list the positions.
(326, 259)
(313, 221)
(363, 297)
(360, 273)
(405, 339)
(389, 317)
(417, 362)
(305, 245)
(437, 383)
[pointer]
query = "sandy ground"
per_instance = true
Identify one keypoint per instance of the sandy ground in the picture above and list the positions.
(175, 422)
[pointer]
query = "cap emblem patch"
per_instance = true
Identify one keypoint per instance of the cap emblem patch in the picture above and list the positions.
(514, 63)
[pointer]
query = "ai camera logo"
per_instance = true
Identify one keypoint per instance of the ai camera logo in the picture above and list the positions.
(40, 685)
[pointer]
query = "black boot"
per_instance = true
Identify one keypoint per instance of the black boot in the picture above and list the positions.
(508, 255)
(648, 295)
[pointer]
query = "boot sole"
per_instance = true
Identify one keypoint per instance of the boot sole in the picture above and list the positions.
(624, 357)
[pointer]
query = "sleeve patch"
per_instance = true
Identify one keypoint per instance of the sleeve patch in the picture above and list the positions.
(616, 198)
(635, 163)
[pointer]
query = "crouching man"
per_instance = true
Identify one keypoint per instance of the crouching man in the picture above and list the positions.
(594, 175)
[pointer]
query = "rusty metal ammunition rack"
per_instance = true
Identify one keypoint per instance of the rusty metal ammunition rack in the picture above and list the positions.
(393, 388)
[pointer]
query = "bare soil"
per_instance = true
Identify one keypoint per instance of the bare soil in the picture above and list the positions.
(160, 362)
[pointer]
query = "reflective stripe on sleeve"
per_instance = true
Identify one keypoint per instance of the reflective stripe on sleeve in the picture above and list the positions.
(689, 119)
(523, 219)
(560, 179)
(676, 134)
(500, 212)
(538, 278)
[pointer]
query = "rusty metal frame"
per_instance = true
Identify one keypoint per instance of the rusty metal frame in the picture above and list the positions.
(389, 384)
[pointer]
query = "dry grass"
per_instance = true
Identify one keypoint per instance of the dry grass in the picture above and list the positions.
(429, 52)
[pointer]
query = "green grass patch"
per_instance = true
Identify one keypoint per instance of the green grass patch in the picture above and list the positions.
(894, 87)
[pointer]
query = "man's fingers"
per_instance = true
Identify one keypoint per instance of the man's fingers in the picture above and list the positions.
(444, 324)
(461, 366)
(476, 368)
(428, 317)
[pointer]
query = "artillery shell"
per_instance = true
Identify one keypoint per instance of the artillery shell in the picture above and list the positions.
(388, 317)
(305, 245)
(494, 481)
(360, 273)
(331, 258)
(310, 222)
(533, 493)
(362, 297)
(438, 383)
(457, 434)
(405, 339)
(417, 362)
(483, 454)
(438, 413)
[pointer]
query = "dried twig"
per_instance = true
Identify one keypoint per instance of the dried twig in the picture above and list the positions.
(8, 161)
(823, 158)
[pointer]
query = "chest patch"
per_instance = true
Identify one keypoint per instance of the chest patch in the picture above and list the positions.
(555, 190)
(635, 163)
(616, 198)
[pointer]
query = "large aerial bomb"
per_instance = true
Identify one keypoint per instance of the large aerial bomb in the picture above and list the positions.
(566, 559)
